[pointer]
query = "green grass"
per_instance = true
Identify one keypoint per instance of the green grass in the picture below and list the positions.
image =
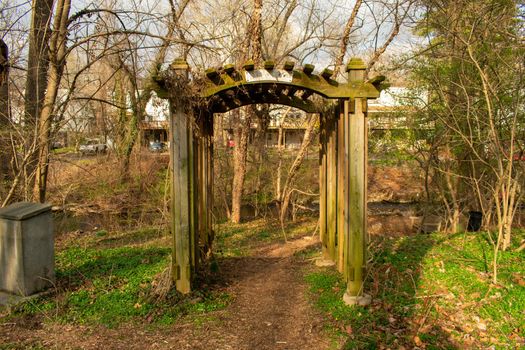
(233, 240)
(64, 150)
(112, 286)
(433, 291)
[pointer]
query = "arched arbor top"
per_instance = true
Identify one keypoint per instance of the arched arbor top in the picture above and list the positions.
(342, 154)
(229, 87)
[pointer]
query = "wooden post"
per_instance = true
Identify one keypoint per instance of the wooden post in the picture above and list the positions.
(332, 186)
(203, 186)
(356, 201)
(209, 182)
(181, 164)
(194, 152)
(341, 187)
(322, 187)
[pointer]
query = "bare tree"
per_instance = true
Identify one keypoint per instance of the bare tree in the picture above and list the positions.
(310, 133)
(251, 48)
(474, 80)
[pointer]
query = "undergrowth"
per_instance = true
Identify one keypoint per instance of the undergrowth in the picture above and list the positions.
(110, 286)
(433, 292)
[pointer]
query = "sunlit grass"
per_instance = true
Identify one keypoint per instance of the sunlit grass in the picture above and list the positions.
(433, 291)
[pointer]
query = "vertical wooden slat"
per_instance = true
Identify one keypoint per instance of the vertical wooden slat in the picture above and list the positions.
(356, 244)
(200, 175)
(204, 187)
(181, 199)
(194, 193)
(332, 186)
(210, 174)
(340, 186)
(181, 163)
(322, 186)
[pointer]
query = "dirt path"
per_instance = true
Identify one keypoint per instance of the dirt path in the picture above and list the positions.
(270, 311)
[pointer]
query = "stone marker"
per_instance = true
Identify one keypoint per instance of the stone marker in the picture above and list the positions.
(27, 258)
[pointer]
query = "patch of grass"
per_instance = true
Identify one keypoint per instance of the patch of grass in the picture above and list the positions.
(140, 236)
(64, 150)
(240, 239)
(112, 286)
(430, 291)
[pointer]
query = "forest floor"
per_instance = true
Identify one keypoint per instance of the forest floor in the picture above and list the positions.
(267, 307)
(429, 291)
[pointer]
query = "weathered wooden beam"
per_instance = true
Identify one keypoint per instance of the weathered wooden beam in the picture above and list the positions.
(306, 94)
(180, 152)
(322, 187)
(229, 68)
(308, 69)
(209, 184)
(288, 66)
(331, 174)
(193, 153)
(201, 189)
(269, 65)
(356, 230)
(341, 187)
(327, 73)
(249, 65)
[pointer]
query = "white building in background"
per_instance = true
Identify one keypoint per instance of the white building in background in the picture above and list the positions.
(155, 125)
(385, 112)
(391, 109)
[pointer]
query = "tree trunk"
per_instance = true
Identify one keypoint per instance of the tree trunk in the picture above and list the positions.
(343, 45)
(37, 59)
(6, 154)
(242, 129)
(4, 83)
(240, 138)
(57, 62)
(292, 173)
(36, 81)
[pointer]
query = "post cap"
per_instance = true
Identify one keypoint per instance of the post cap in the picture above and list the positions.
(179, 63)
(355, 63)
(23, 210)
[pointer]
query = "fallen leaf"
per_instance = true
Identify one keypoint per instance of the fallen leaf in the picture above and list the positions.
(475, 295)
(518, 280)
(482, 326)
(417, 341)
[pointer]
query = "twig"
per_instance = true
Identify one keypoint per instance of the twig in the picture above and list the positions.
(424, 319)
(316, 227)
(430, 296)
(282, 229)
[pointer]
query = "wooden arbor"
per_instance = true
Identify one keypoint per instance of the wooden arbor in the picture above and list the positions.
(342, 160)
